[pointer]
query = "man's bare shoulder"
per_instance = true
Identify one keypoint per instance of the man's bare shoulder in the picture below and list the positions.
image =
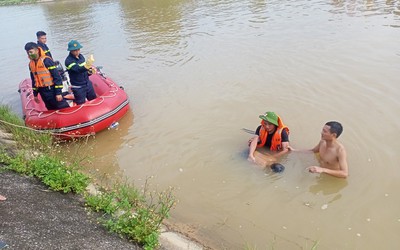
(317, 148)
(340, 147)
(321, 144)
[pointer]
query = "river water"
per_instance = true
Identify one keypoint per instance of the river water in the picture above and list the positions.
(197, 72)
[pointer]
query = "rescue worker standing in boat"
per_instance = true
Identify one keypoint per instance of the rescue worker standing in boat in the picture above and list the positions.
(46, 79)
(78, 70)
(272, 133)
(41, 41)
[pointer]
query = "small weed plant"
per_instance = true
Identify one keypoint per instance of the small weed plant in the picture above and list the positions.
(51, 171)
(26, 139)
(136, 215)
(58, 176)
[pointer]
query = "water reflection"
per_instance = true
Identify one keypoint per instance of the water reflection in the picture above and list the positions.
(70, 20)
(365, 7)
(257, 9)
(106, 144)
(154, 30)
(328, 186)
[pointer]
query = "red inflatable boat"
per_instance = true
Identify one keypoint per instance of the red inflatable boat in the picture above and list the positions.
(80, 120)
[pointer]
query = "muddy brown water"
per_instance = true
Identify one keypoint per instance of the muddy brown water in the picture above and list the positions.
(197, 72)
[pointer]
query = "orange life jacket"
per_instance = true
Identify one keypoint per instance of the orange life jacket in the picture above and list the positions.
(276, 142)
(41, 74)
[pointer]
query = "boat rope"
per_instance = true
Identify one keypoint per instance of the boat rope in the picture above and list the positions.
(43, 115)
(43, 131)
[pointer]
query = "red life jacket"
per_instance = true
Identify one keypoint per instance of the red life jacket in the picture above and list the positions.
(41, 74)
(276, 142)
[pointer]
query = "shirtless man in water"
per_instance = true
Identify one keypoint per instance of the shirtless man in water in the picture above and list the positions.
(332, 154)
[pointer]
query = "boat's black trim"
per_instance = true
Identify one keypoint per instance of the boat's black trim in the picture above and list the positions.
(89, 123)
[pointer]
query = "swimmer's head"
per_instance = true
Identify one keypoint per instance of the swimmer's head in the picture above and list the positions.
(335, 128)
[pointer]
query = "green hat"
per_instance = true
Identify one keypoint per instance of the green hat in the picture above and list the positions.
(74, 45)
(270, 117)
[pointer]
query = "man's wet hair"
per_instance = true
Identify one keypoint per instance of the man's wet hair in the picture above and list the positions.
(40, 33)
(31, 45)
(335, 127)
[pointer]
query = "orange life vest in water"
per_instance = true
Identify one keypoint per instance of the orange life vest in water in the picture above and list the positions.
(276, 142)
(41, 74)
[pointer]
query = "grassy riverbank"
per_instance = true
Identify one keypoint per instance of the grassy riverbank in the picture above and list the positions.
(134, 213)
(13, 2)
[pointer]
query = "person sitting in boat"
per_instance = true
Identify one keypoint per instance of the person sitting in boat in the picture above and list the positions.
(272, 134)
(78, 70)
(41, 41)
(46, 80)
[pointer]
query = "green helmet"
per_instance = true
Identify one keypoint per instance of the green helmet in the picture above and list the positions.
(74, 45)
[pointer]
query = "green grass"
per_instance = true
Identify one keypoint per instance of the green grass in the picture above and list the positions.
(134, 213)
(36, 155)
(14, 2)
(26, 138)
(58, 176)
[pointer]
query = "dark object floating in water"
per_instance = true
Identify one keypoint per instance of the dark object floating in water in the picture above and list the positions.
(277, 167)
